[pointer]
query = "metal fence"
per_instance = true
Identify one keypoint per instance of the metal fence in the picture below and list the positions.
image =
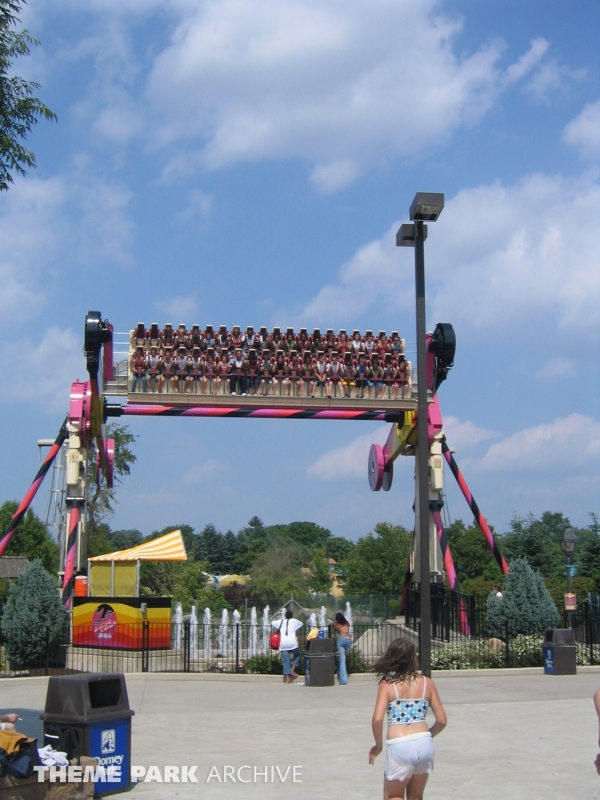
(459, 641)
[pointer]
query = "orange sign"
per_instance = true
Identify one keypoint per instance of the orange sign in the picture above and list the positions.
(571, 602)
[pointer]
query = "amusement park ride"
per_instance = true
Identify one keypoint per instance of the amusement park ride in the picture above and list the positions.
(89, 410)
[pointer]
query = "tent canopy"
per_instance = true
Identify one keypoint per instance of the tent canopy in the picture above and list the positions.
(166, 548)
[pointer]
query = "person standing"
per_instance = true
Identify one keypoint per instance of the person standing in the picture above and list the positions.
(405, 697)
(290, 651)
(344, 643)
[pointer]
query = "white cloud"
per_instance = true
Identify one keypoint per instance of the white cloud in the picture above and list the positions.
(42, 370)
(572, 442)
(204, 472)
(551, 77)
(524, 64)
(349, 461)
(462, 435)
(583, 132)
(498, 256)
(199, 207)
(557, 369)
(330, 82)
(31, 231)
(181, 308)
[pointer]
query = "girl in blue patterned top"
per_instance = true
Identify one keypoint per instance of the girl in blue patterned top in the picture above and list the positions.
(405, 696)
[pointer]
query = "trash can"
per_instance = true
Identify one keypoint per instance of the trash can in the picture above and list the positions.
(319, 663)
(559, 652)
(89, 715)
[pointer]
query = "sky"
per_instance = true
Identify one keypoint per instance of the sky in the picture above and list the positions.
(249, 162)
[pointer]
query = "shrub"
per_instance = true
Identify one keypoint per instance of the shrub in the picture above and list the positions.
(526, 607)
(34, 619)
(264, 665)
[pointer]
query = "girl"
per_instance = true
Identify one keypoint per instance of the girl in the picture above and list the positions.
(405, 696)
(344, 643)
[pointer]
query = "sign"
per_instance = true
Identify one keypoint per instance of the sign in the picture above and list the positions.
(571, 602)
(549, 667)
(109, 745)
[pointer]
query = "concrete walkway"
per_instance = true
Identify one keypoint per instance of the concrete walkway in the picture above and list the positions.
(511, 734)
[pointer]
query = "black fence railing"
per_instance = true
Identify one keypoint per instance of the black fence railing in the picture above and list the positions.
(459, 637)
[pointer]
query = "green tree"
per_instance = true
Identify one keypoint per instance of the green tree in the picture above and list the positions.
(124, 539)
(537, 540)
(339, 549)
(158, 578)
(34, 618)
(526, 606)
(19, 109)
(31, 539)
(320, 576)
(587, 552)
(189, 584)
(377, 564)
(101, 499)
(275, 573)
(308, 535)
(471, 554)
(252, 541)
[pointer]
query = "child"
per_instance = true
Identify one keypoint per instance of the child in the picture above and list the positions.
(405, 696)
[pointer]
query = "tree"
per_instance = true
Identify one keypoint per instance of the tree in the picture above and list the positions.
(307, 534)
(377, 564)
(189, 584)
(320, 577)
(34, 619)
(19, 109)
(276, 573)
(537, 540)
(100, 502)
(471, 555)
(526, 606)
(124, 539)
(252, 541)
(31, 539)
(339, 548)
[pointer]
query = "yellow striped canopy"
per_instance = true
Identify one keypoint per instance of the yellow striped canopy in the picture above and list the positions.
(169, 547)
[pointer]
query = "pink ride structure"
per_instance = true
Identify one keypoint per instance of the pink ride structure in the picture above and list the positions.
(84, 428)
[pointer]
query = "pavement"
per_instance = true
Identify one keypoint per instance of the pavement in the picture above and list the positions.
(514, 734)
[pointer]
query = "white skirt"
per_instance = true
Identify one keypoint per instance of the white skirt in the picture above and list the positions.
(409, 755)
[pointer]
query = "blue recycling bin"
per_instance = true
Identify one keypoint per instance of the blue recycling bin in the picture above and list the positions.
(560, 652)
(89, 715)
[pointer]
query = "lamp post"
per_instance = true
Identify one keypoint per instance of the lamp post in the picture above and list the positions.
(568, 540)
(426, 207)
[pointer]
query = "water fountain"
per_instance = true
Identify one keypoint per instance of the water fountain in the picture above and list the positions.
(253, 638)
(193, 633)
(323, 618)
(312, 621)
(223, 634)
(207, 651)
(236, 633)
(265, 631)
(178, 626)
(348, 616)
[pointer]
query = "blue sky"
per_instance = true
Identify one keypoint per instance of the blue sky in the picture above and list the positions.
(247, 162)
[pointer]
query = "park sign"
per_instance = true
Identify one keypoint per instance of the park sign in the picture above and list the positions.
(570, 602)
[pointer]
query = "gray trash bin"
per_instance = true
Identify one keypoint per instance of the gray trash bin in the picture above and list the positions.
(89, 715)
(319, 663)
(559, 652)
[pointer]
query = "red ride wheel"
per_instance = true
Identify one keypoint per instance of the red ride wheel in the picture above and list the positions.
(376, 467)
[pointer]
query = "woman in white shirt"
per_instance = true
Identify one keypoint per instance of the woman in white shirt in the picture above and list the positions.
(289, 644)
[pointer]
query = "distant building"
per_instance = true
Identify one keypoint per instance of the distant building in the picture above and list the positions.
(12, 566)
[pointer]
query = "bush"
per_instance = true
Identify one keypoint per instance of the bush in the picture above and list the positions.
(526, 607)
(264, 665)
(34, 619)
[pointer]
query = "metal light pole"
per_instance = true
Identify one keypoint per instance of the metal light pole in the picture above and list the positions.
(568, 540)
(425, 206)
